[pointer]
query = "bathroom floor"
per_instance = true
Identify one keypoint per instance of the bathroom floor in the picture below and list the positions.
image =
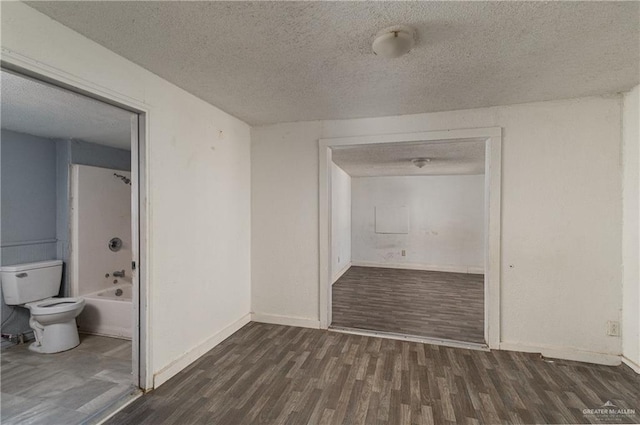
(72, 387)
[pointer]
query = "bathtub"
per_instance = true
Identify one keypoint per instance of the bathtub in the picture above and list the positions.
(108, 312)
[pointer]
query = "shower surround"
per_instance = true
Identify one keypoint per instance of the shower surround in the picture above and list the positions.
(101, 212)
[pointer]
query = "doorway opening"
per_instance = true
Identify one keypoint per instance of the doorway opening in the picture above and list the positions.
(70, 228)
(410, 236)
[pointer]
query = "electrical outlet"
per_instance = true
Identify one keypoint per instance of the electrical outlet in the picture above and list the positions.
(338, 259)
(404, 253)
(613, 328)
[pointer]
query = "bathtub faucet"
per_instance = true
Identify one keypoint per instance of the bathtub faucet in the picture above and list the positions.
(118, 273)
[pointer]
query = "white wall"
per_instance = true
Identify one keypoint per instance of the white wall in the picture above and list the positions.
(630, 228)
(284, 223)
(340, 221)
(561, 218)
(446, 222)
(101, 210)
(198, 194)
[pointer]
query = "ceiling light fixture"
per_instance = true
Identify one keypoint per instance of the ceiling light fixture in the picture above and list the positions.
(420, 162)
(394, 41)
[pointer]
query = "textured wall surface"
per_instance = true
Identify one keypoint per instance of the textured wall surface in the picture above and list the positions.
(198, 194)
(446, 222)
(561, 216)
(28, 188)
(28, 224)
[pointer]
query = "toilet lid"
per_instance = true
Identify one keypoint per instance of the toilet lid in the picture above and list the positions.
(55, 305)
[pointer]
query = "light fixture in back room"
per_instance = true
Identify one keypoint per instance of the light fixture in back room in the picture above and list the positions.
(394, 42)
(420, 162)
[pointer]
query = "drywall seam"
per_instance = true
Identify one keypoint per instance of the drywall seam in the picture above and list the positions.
(194, 354)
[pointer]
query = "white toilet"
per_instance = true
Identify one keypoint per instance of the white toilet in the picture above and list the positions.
(53, 320)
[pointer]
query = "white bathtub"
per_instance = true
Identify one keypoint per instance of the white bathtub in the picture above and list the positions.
(108, 312)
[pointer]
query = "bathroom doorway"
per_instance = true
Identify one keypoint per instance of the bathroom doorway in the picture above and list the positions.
(71, 184)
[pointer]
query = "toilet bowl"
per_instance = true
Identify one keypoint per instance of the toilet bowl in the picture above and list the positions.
(53, 321)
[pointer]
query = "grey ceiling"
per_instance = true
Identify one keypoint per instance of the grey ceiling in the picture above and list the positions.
(459, 157)
(267, 62)
(35, 108)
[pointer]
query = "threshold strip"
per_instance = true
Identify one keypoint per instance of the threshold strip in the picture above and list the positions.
(109, 411)
(412, 338)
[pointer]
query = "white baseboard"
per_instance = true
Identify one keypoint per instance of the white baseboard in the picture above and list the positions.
(111, 332)
(340, 273)
(565, 353)
(631, 364)
(273, 319)
(194, 354)
(425, 267)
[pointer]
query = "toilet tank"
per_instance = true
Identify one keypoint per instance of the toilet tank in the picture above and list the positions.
(24, 283)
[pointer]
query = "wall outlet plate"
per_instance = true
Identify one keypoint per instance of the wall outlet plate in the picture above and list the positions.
(613, 328)
(404, 253)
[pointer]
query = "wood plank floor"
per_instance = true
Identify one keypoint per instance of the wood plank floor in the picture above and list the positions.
(270, 374)
(64, 388)
(415, 302)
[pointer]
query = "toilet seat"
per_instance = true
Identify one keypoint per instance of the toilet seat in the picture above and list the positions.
(54, 305)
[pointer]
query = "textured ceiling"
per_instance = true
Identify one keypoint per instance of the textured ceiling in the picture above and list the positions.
(31, 107)
(460, 157)
(267, 62)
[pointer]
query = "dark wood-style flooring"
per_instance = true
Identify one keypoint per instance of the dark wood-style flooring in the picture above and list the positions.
(415, 302)
(270, 374)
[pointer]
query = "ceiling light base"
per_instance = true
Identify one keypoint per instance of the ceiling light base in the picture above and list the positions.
(420, 162)
(394, 42)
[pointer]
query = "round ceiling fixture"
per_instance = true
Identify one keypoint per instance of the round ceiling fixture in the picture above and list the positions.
(394, 42)
(420, 162)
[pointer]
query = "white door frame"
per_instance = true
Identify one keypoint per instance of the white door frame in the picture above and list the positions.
(142, 367)
(492, 136)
